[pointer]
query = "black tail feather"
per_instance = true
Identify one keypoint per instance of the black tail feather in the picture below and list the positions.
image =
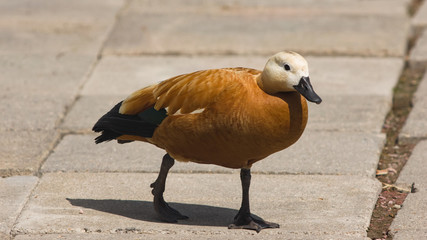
(106, 136)
(113, 124)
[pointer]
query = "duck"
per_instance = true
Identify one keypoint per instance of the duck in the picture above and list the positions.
(231, 117)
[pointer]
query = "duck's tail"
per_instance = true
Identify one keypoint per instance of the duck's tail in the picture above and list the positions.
(114, 124)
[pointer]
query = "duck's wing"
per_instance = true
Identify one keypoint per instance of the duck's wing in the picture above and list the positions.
(189, 92)
(144, 110)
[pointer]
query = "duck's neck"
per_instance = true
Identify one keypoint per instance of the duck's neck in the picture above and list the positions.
(271, 87)
(259, 82)
(264, 85)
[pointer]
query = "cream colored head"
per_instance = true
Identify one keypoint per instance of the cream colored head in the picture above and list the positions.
(285, 72)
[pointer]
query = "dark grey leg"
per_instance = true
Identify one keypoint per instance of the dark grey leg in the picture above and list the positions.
(244, 219)
(163, 210)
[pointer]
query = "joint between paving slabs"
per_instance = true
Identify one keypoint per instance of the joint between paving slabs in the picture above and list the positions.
(45, 155)
(62, 133)
(13, 233)
(92, 67)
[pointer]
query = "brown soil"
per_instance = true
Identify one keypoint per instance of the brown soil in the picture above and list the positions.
(394, 154)
(388, 203)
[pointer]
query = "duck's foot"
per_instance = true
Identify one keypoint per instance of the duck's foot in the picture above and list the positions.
(247, 221)
(163, 210)
(244, 218)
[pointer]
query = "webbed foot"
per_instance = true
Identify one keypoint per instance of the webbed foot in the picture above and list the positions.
(247, 221)
(164, 211)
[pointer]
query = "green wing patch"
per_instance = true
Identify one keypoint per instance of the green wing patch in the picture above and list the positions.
(153, 116)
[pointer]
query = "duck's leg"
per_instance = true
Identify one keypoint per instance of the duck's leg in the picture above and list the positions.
(244, 219)
(164, 211)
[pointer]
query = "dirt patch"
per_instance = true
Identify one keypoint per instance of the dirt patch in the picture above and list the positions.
(388, 203)
(394, 154)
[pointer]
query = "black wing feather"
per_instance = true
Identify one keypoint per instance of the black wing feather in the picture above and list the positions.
(113, 124)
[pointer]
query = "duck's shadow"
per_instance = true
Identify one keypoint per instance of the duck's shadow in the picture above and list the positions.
(200, 215)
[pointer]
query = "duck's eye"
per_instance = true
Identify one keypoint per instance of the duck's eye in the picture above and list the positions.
(287, 67)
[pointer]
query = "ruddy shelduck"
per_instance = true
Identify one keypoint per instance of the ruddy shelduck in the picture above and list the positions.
(232, 117)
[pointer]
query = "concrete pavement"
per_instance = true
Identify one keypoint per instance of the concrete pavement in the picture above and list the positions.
(64, 64)
(338, 27)
(411, 222)
(110, 202)
(46, 50)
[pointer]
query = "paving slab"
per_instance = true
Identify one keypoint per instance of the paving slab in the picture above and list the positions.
(253, 27)
(21, 152)
(117, 202)
(51, 43)
(5, 236)
(315, 153)
(331, 6)
(27, 93)
(415, 169)
(14, 193)
(349, 113)
(420, 18)
(124, 75)
(410, 234)
(330, 76)
(186, 236)
(412, 218)
(86, 110)
(327, 153)
(356, 91)
(416, 124)
(46, 50)
(340, 82)
(79, 153)
(336, 113)
(55, 27)
(418, 55)
(344, 76)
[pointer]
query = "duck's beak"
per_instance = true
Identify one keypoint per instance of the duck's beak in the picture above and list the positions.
(304, 88)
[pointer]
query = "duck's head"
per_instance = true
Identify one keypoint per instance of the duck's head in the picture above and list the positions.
(285, 72)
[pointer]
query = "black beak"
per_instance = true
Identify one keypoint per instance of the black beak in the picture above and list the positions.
(304, 88)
